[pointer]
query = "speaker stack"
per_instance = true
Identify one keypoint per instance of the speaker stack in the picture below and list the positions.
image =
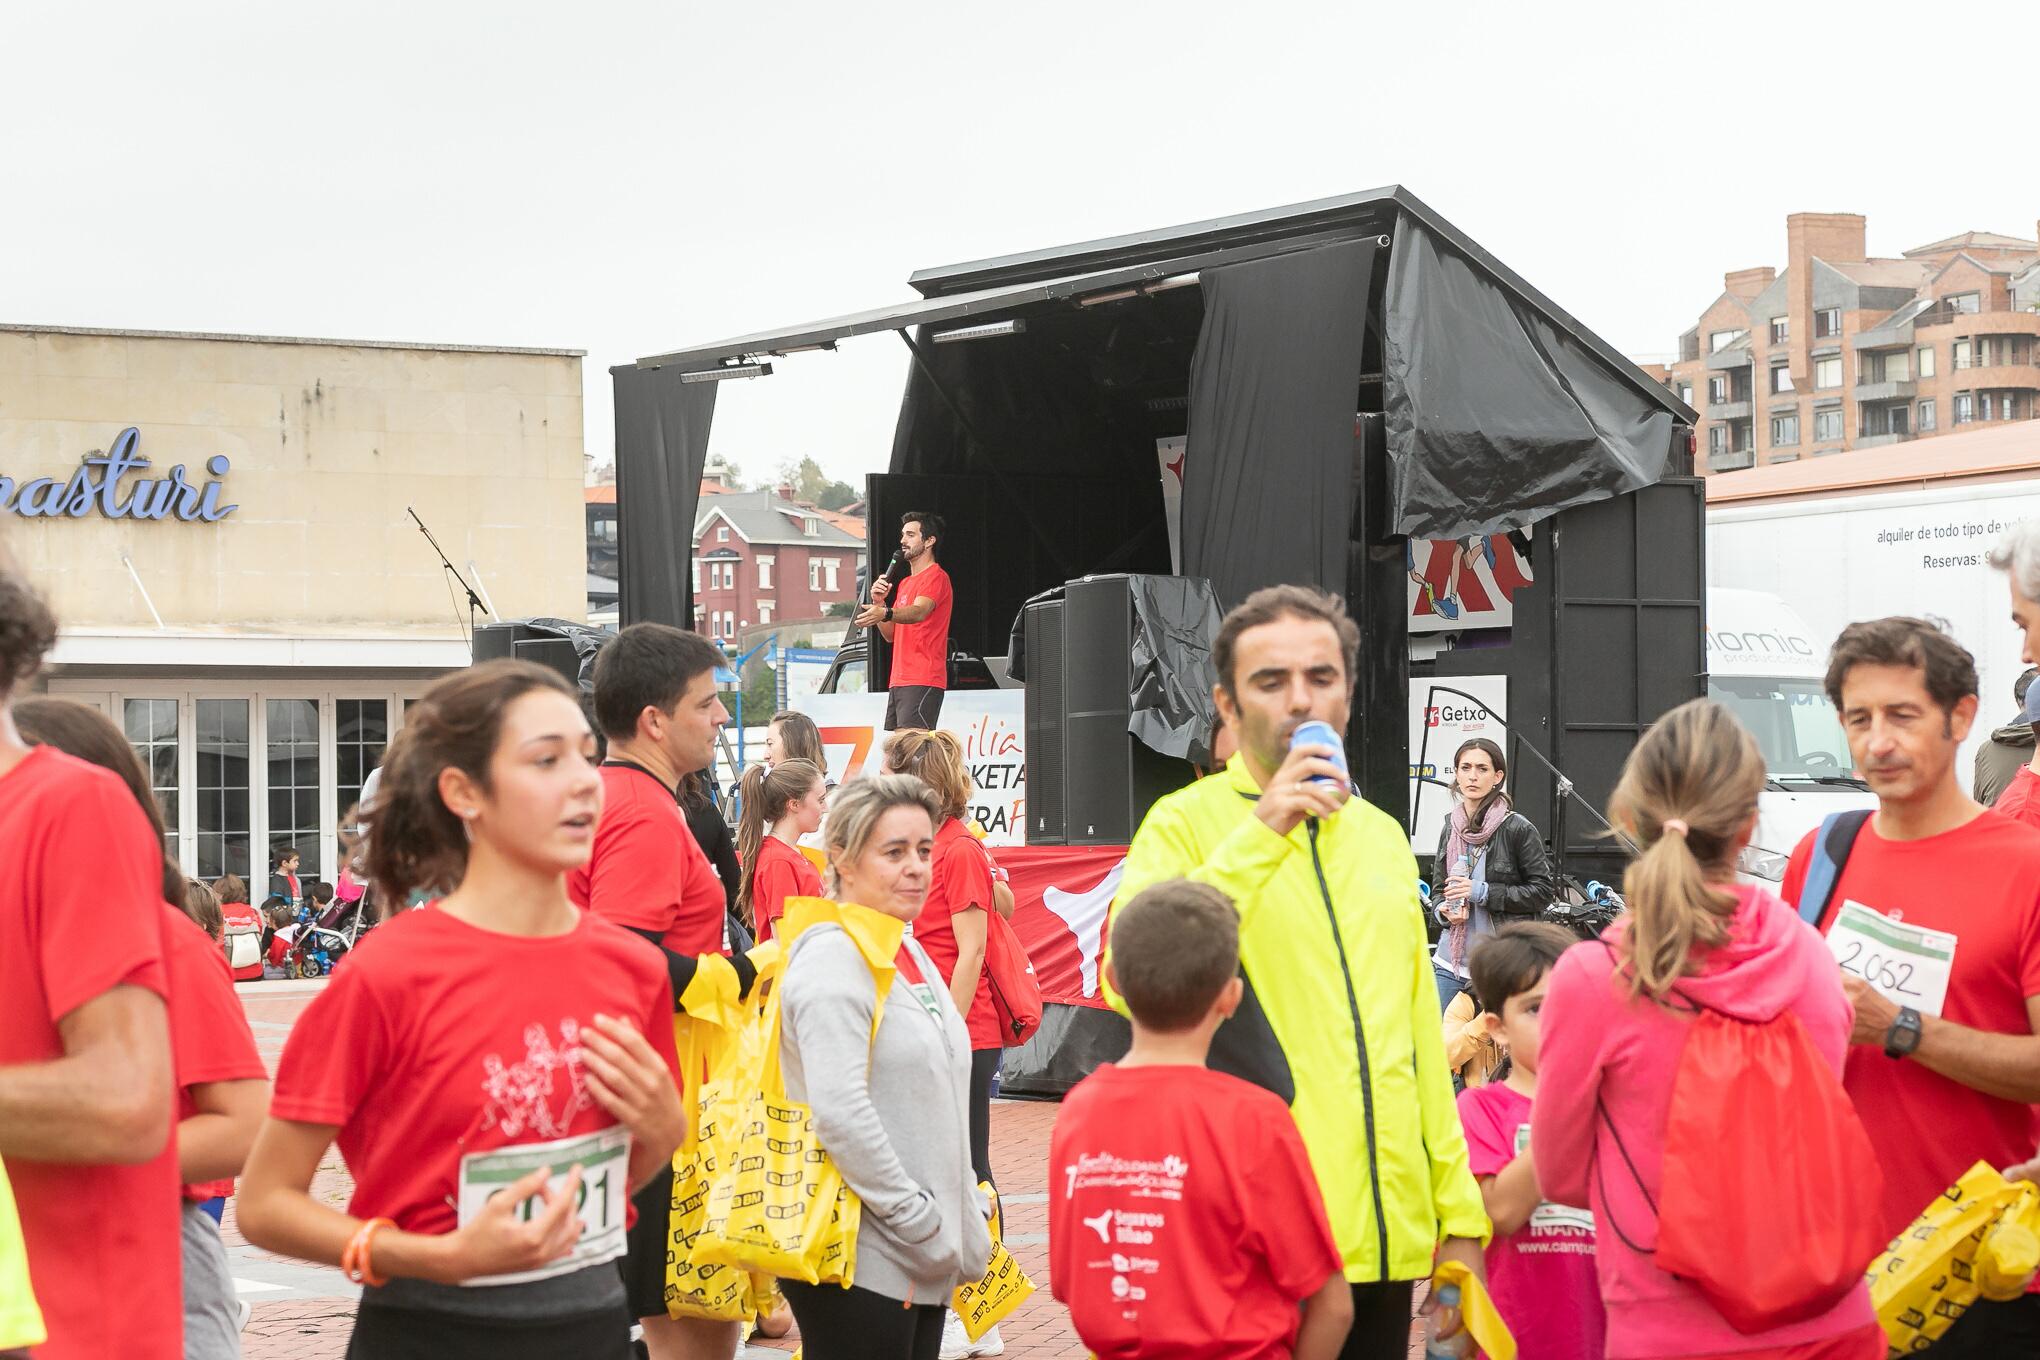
(1089, 781)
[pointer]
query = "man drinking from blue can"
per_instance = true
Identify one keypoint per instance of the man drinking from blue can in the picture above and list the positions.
(1340, 1015)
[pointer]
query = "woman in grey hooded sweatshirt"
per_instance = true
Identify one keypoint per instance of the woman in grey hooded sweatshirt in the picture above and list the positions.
(891, 1111)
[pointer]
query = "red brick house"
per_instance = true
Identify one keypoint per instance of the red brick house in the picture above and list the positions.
(761, 557)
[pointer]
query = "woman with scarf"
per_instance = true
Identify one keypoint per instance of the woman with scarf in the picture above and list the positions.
(1491, 865)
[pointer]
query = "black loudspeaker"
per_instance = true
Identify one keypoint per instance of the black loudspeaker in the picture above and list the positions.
(555, 653)
(1110, 779)
(498, 641)
(1042, 635)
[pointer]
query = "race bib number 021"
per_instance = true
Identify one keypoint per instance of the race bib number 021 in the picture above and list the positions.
(604, 1159)
(1907, 964)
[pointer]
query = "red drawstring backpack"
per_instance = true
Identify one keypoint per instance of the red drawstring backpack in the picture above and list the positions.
(1016, 993)
(1770, 1185)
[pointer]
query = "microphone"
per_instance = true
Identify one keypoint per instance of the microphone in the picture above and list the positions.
(893, 568)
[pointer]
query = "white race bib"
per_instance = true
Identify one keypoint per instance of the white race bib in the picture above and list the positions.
(1908, 964)
(1548, 1216)
(604, 1159)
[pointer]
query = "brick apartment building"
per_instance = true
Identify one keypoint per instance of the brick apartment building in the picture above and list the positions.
(762, 557)
(1844, 351)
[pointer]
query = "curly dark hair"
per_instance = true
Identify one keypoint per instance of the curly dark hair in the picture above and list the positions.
(27, 631)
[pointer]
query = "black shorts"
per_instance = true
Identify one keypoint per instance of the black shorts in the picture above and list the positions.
(913, 706)
(644, 1259)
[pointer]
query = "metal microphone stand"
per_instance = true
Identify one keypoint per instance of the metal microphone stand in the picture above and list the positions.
(474, 601)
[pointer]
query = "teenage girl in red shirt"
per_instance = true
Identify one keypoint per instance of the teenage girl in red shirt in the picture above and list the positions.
(788, 798)
(496, 1066)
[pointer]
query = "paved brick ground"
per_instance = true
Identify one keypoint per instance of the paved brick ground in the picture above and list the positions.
(304, 1312)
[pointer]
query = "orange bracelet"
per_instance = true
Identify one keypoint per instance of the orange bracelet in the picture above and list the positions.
(354, 1261)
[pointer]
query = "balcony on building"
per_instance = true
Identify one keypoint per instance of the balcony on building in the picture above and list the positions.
(1730, 357)
(1902, 389)
(1877, 425)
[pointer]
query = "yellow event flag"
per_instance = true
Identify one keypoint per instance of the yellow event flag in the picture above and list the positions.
(1476, 1310)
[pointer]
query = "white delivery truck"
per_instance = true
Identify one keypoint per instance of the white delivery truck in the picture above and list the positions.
(1905, 529)
(1767, 668)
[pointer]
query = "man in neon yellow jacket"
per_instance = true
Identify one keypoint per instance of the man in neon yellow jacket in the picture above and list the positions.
(1341, 1016)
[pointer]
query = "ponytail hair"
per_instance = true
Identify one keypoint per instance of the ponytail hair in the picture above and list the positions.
(935, 757)
(414, 839)
(766, 796)
(1686, 793)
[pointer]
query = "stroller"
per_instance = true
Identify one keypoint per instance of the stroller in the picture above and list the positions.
(308, 947)
(352, 914)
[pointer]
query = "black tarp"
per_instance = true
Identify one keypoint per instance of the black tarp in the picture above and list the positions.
(1175, 624)
(1070, 1045)
(661, 444)
(1267, 478)
(1497, 418)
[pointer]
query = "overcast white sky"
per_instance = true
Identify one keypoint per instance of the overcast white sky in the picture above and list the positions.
(632, 178)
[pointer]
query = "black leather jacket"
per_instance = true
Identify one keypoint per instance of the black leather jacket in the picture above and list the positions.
(1519, 878)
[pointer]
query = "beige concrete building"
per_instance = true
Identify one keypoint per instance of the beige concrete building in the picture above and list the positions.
(249, 597)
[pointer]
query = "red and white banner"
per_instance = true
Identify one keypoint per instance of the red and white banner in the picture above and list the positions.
(1060, 897)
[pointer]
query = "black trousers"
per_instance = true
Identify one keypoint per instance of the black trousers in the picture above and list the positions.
(856, 1324)
(1990, 1330)
(984, 1065)
(913, 706)
(1381, 1321)
(415, 1334)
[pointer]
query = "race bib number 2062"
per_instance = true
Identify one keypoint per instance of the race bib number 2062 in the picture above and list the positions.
(604, 1159)
(1908, 964)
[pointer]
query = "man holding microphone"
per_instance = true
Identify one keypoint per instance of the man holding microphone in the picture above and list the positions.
(918, 628)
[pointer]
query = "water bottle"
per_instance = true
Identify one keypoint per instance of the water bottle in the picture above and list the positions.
(1462, 868)
(1434, 1349)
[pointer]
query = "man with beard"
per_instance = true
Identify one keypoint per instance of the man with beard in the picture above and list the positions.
(1934, 918)
(1340, 1012)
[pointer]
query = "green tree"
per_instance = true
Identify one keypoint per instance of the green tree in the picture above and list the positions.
(836, 495)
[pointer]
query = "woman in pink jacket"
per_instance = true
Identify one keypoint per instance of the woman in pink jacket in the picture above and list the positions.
(1611, 1039)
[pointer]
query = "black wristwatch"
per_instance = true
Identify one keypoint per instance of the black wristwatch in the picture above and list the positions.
(888, 613)
(1904, 1035)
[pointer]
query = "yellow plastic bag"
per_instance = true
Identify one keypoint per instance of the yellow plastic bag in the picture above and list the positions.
(711, 1057)
(21, 1321)
(1981, 1236)
(983, 1303)
(1477, 1311)
(776, 1203)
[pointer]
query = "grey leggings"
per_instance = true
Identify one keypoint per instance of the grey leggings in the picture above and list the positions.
(212, 1313)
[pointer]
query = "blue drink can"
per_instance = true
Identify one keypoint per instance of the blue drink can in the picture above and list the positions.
(1319, 733)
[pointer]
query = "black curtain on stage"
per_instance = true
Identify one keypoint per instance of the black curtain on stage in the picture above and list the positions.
(661, 444)
(1496, 418)
(1267, 480)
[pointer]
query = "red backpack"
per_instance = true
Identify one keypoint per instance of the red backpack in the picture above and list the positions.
(1016, 995)
(1770, 1184)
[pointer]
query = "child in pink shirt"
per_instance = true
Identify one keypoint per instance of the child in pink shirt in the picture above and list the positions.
(1612, 1037)
(1540, 1264)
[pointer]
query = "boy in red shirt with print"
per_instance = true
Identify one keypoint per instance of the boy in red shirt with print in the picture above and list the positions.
(1184, 1219)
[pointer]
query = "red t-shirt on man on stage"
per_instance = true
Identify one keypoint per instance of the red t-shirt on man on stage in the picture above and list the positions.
(920, 651)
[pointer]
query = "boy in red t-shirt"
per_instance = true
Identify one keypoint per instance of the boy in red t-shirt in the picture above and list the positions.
(1540, 1265)
(1184, 1219)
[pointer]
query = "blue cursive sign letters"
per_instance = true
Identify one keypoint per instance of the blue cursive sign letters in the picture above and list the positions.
(96, 486)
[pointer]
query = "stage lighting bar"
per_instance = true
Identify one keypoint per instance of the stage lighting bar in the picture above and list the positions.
(984, 332)
(732, 371)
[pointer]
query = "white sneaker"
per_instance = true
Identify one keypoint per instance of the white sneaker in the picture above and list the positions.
(957, 1345)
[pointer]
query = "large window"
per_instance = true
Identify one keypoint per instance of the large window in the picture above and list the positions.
(1827, 323)
(1784, 431)
(1963, 302)
(293, 757)
(361, 729)
(1781, 378)
(1717, 439)
(1926, 361)
(1926, 416)
(1827, 373)
(765, 573)
(1827, 426)
(1781, 329)
(1721, 340)
(1962, 350)
(222, 787)
(1965, 408)
(151, 726)
(1717, 389)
